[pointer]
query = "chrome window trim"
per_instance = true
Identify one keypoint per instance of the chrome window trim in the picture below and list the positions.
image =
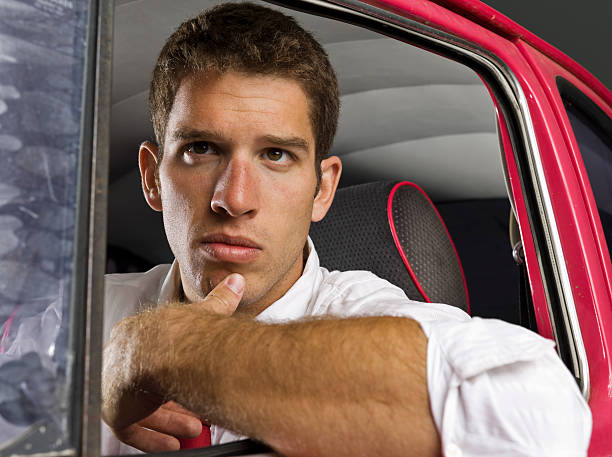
(570, 317)
(386, 22)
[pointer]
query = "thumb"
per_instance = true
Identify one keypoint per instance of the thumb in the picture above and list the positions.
(224, 298)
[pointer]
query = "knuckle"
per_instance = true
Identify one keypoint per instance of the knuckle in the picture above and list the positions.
(218, 302)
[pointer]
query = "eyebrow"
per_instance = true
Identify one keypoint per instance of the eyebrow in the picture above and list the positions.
(183, 134)
(186, 134)
(291, 142)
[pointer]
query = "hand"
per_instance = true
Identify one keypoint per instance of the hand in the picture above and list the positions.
(134, 394)
(160, 431)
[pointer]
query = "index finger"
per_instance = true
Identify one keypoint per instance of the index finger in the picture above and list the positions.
(147, 440)
(225, 297)
(174, 406)
(173, 423)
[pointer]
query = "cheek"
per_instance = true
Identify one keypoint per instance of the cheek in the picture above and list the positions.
(294, 202)
(182, 196)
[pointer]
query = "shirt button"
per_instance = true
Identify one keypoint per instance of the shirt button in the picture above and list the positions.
(452, 450)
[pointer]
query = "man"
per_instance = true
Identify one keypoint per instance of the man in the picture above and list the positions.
(245, 104)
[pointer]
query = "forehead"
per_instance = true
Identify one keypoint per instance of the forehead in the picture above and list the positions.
(267, 104)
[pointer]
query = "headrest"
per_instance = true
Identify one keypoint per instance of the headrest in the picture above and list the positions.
(393, 230)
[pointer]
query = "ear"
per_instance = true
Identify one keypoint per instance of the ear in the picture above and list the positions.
(147, 162)
(331, 168)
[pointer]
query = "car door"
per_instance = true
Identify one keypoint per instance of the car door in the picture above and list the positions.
(580, 115)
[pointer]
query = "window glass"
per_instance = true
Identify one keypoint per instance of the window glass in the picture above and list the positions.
(42, 45)
(596, 150)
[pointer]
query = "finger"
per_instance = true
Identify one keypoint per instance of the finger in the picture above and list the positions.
(147, 440)
(224, 298)
(173, 406)
(173, 423)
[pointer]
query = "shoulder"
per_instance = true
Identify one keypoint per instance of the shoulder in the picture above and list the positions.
(126, 293)
(146, 284)
(141, 281)
(360, 293)
(356, 283)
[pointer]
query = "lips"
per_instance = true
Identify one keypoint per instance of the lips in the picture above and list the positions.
(225, 248)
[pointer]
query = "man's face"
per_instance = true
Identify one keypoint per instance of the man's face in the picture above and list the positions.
(237, 183)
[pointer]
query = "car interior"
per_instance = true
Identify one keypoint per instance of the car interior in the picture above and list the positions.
(407, 115)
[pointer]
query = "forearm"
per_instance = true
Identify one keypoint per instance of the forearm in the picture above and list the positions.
(322, 387)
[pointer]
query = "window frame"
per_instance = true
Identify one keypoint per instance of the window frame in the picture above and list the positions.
(589, 263)
(91, 236)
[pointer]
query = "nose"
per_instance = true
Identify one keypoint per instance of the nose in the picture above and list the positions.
(235, 192)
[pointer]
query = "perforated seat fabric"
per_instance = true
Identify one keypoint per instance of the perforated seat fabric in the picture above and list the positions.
(393, 230)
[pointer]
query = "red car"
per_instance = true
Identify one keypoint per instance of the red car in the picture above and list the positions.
(510, 138)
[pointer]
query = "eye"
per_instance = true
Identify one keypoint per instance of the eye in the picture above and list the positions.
(199, 148)
(276, 155)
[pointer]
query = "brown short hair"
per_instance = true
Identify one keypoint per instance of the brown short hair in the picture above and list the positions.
(252, 39)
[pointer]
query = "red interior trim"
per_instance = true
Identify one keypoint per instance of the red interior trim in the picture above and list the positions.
(401, 249)
(398, 245)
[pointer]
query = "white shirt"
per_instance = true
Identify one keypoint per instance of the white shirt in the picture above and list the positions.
(495, 389)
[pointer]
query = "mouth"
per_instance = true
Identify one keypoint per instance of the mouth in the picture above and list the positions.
(225, 248)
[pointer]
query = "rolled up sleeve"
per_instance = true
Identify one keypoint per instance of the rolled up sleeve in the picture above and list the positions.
(499, 389)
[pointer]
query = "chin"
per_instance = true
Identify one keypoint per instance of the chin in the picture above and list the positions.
(249, 299)
(254, 298)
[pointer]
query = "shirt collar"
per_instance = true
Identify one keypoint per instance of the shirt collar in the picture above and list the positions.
(297, 301)
(171, 289)
(294, 304)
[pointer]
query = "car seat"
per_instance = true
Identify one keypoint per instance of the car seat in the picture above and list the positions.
(393, 230)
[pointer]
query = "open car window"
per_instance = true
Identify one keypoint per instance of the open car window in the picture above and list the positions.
(406, 114)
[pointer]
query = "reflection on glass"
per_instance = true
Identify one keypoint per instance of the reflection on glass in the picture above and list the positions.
(42, 45)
